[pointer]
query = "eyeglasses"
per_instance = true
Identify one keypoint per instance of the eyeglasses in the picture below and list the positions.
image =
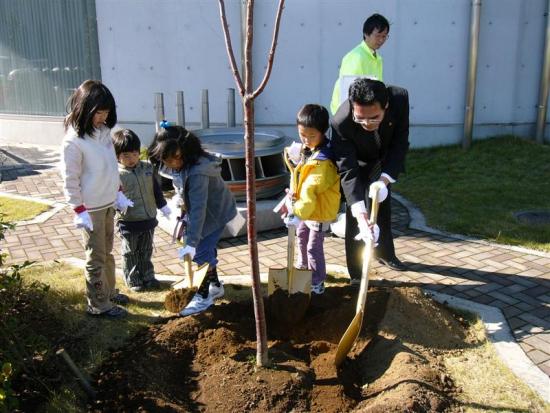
(367, 122)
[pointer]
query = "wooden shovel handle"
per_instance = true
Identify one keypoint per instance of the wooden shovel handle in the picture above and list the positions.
(189, 269)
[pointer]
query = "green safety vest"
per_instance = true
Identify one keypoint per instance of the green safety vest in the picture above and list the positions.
(360, 61)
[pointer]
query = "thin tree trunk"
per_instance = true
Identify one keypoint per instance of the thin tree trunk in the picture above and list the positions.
(248, 95)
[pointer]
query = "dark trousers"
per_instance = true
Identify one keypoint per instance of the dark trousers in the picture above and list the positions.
(354, 249)
(310, 252)
(136, 251)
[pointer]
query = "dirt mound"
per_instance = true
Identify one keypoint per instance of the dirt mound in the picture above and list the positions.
(207, 362)
(177, 300)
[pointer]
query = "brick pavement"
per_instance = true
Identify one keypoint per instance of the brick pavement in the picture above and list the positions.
(516, 282)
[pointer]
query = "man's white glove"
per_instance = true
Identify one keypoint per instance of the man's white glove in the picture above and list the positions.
(382, 191)
(292, 221)
(294, 152)
(122, 203)
(187, 250)
(83, 220)
(367, 233)
(166, 211)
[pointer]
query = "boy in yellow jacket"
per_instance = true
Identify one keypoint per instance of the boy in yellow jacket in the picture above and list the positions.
(316, 200)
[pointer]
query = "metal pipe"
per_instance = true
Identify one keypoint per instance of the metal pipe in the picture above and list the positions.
(472, 72)
(159, 109)
(84, 383)
(180, 108)
(544, 83)
(230, 108)
(205, 121)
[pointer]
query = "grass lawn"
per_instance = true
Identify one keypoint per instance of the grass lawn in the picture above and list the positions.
(476, 192)
(15, 210)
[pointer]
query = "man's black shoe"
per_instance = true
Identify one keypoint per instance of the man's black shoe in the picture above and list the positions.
(393, 263)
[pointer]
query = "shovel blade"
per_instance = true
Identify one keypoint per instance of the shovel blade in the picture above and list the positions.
(348, 339)
(189, 281)
(277, 278)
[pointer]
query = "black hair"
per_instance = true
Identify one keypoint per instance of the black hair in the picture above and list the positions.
(313, 116)
(125, 140)
(171, 140)
(86, 100)
(365, 92)
(376, 21)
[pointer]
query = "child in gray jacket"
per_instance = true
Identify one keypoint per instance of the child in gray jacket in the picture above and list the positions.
(137, 224)
(196, 176)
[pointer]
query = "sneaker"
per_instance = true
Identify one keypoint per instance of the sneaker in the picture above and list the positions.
(196, 305)
(318, 288)
(114, 312)
(121, 299)
(215, 292)
(152, 284)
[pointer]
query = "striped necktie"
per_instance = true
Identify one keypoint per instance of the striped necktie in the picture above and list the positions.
(376, 170)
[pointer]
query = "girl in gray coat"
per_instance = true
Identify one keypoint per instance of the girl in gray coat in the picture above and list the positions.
(196, 176)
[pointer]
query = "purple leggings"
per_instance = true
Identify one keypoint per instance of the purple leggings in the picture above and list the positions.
(310, 252)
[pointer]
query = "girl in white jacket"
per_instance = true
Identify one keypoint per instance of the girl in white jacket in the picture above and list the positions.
(91, 185)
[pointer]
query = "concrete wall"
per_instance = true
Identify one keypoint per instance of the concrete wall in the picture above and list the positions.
(150, 46)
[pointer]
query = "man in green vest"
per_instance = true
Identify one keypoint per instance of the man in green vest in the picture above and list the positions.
(363, 60)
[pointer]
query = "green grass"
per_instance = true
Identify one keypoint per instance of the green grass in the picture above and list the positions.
(476, 192)
(20, 210)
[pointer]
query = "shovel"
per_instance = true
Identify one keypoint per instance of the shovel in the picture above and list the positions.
(290, 279)
(350, 336)
(197, 276)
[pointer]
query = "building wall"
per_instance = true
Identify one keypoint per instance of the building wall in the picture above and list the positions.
(149, 46)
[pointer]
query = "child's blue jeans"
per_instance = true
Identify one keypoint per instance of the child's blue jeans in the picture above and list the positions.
(206, 249)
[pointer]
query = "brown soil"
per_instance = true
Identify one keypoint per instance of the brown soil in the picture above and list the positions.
(176, 300)
(207, 362)
(284, 309)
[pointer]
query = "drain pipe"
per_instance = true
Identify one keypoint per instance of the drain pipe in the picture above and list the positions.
(180, 108)
(544, 82)
(205, 120)
(472, 72)
(230, 108)
(159, 110)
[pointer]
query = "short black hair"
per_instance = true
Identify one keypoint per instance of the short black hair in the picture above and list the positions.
(313, 116)
(173, 139)
(376, 21)
(91, 96)
(364, 91)
(125, 140)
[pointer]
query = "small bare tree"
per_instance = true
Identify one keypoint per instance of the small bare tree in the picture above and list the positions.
(248, 94)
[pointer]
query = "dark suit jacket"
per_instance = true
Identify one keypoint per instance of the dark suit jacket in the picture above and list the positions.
(356, 151)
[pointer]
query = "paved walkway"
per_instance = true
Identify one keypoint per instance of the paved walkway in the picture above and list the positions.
(516, 282)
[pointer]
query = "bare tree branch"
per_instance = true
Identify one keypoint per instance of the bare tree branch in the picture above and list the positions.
(271, 55)
(229, 48)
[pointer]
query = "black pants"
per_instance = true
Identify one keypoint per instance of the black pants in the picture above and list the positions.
(354, 249)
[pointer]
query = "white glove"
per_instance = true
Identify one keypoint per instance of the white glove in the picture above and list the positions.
(166, 211)
(83, 220)
(187, 250)
(382, 191)
(294, 152)
(366, 233)
(122, 203)
(177, 201)
(292, 221)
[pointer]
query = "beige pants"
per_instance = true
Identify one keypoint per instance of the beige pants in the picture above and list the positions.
(100, 262)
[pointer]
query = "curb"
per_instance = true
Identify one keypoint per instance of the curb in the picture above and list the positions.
(418, 222)
(498, 332)
(41, 218)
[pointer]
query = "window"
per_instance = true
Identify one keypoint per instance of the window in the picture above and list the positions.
(47, 48)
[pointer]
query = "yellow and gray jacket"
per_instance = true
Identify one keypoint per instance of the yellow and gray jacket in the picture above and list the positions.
(318, 191)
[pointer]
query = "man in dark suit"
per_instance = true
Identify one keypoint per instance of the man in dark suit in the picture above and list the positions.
(370, 138)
